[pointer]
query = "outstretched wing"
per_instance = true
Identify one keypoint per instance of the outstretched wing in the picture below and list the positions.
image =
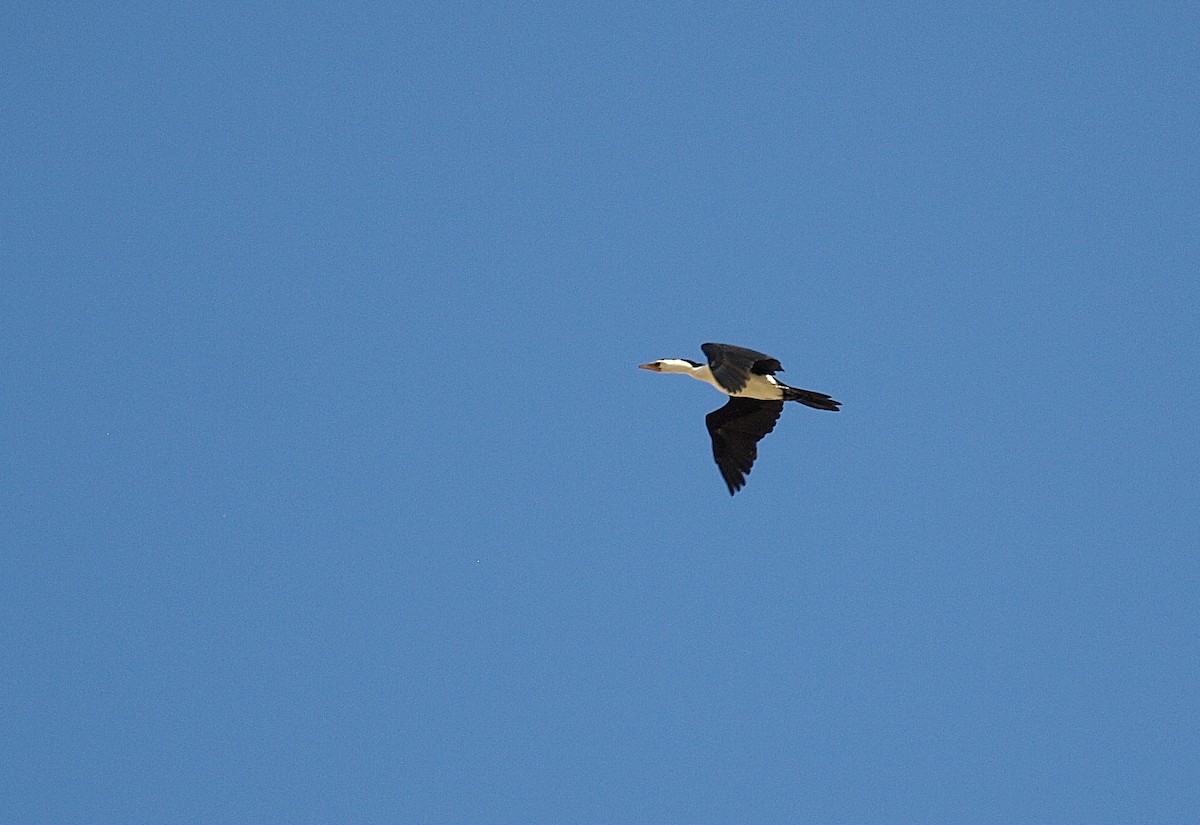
(736, 430)
(732, 366)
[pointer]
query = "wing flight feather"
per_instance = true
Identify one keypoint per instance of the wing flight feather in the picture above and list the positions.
(736, 430)
(732, 366)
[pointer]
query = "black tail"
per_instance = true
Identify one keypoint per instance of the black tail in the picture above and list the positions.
(816, 400)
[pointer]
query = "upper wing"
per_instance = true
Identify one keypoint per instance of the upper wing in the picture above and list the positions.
(732, 366)
(736, 430)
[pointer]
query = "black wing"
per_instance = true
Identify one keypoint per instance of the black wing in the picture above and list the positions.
(732, 366)
(736, 430)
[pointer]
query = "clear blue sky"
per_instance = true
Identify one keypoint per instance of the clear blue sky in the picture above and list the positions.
(333, 493)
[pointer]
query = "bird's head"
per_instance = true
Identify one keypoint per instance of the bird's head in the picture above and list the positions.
(670, 365)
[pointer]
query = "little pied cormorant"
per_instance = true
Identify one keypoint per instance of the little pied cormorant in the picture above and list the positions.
(756, 400)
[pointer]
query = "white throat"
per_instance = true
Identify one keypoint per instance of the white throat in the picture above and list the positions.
(700, 373)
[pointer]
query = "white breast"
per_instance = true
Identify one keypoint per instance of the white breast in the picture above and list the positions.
(761, 387)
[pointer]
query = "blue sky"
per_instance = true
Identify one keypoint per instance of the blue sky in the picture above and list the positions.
(334, 494)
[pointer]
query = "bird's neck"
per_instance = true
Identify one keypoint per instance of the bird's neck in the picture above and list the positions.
(682, 367)
(701, 372)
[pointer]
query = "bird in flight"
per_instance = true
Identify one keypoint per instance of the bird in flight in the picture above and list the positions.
(755, 403)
